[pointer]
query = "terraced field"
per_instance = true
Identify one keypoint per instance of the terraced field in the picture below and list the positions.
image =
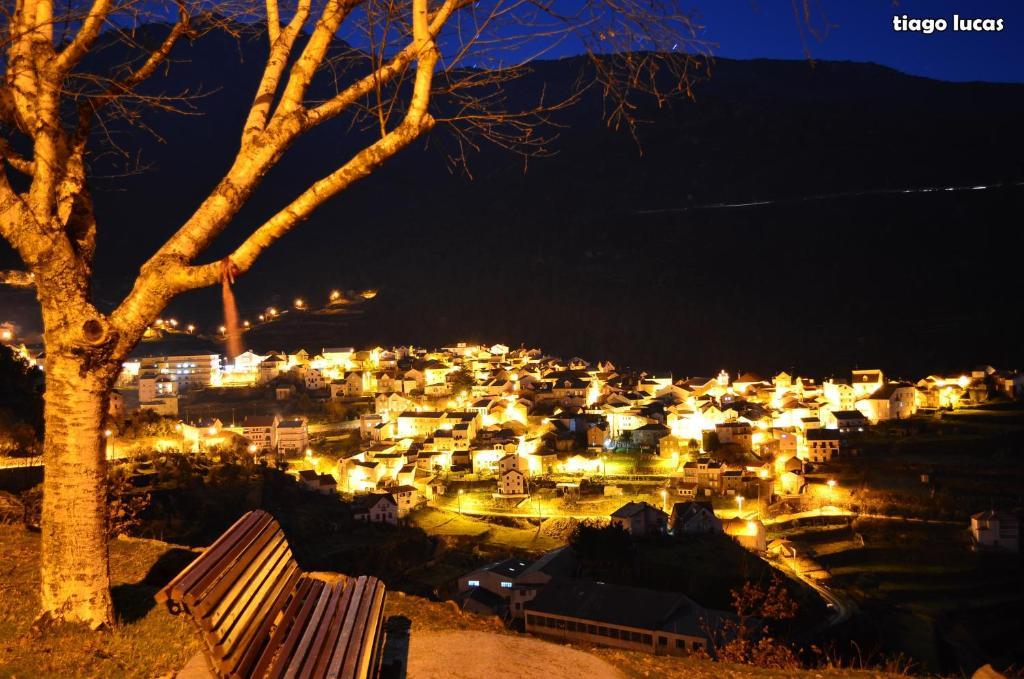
(927, 594)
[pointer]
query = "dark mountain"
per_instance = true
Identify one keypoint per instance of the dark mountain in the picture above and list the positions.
(625, 248)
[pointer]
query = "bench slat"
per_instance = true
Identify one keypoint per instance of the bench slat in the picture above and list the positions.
(373, 643)
(318, 648)
(298, 627)
(302, 651)
(356, 659)
(260, 617)
(210, 556)
(207, 593)
(219, 613)
(249, 610)
(348, 623)
(283, 625)
(330, 642)
(259, 637)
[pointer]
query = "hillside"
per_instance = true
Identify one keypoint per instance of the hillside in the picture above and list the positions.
(782, 203)
(151, 642)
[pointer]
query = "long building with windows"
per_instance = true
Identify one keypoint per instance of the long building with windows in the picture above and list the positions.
(200, 370)
(631, 618)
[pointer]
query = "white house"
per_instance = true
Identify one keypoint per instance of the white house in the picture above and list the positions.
(406, 497)
(512, 483)
(314, 379)
(376, 508)
(261, 430)
(997, 530)
(292, 436)
(893, 401)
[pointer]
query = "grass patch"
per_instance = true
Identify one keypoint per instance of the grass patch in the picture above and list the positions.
(147, 643)
(451, 524)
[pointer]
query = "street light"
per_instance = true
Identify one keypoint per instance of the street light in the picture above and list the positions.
(299, 303)
(739, 501)
(460, 501)
(664, 499)
(108, 434)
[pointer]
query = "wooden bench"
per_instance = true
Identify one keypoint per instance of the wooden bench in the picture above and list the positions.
(260, 616)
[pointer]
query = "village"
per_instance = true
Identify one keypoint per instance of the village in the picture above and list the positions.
(454, 439)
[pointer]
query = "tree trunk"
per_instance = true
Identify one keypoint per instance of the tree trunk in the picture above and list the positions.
(75, 572)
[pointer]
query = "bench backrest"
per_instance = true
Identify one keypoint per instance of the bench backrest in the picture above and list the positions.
(259, 615)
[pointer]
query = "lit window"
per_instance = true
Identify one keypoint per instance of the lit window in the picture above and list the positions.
(506, 584)
(473, 583)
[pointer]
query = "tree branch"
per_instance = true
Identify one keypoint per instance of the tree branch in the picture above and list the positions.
(86, 36)
(364, 86)
(168, 272)
(280, 50)
(273, 21)
(313, 54)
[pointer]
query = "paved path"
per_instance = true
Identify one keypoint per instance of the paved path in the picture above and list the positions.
(479, 655)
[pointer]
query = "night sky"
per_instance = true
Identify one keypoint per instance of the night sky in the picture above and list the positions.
(861, 30)
(619, 242)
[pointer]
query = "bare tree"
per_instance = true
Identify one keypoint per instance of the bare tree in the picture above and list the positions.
(387, 58)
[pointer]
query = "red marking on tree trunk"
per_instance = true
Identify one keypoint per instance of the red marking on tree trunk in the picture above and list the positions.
(232, 333)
